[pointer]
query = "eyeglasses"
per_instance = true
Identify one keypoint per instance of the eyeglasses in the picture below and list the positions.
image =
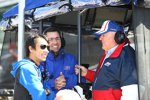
(52, 39)
(42, 46)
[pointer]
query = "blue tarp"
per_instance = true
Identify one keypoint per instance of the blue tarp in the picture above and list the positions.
(29, 4)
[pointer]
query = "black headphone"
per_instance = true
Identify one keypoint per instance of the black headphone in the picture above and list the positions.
(120, 37)
(63, 42)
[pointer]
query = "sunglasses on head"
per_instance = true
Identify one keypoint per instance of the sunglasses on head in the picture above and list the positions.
(42, 46)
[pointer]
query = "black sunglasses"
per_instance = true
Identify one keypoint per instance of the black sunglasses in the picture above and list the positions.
(42, 46)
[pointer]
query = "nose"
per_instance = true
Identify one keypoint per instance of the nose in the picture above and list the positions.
(54, 41)
(100, 38)
(46, 50)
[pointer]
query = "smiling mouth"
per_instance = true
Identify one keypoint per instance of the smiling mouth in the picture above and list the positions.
(44, 55)
(55, 46)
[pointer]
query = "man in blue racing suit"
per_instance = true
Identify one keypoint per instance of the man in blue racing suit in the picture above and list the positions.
(58, 70)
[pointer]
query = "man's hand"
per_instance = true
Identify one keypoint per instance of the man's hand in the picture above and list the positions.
(48, 92)
(60, 82)
(83, 70)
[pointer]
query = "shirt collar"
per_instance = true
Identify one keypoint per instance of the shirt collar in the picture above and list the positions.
(109, 52)
(118, 50)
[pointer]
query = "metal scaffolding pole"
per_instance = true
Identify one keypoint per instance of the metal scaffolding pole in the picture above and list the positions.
(79, 41)
(21, 29)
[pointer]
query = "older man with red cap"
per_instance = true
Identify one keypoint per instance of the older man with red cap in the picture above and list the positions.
(116, 75)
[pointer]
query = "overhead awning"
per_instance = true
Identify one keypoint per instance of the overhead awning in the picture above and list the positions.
(29, 4)
(47, 8)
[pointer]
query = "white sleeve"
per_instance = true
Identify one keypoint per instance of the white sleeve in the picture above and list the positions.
(130, 92)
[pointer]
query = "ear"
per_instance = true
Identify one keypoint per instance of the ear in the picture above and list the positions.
(31, 49)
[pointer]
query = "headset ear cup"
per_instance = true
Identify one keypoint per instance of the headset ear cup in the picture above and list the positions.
(119, 37)
(63, 42)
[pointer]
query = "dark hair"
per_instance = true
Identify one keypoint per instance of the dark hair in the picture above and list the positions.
(31, 41)
(52, 29)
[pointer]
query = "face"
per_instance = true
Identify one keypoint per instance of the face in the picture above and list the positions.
(40, 51)
(107, 40)
(54, 41)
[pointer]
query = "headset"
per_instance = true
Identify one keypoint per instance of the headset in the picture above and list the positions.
(63, 41)
(120, 37)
